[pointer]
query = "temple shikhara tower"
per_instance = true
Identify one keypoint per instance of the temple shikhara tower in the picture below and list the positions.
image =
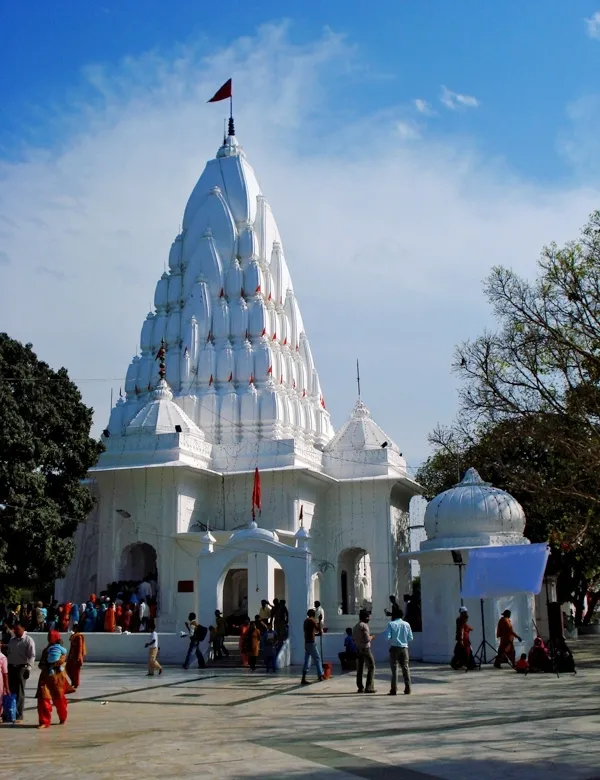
(225, 383)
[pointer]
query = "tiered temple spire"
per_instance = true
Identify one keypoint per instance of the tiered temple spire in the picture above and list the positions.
(236, 355)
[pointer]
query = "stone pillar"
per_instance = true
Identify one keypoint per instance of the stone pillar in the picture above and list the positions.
(261, 581)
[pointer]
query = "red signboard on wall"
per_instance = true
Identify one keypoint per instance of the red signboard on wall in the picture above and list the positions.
(185, 586)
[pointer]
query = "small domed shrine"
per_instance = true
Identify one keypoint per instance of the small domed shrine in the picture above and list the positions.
(225, 383)
(469, 515)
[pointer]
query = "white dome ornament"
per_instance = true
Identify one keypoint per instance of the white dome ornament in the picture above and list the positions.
(473, 513)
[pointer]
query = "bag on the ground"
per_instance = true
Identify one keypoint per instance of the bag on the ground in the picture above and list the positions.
(9, 708)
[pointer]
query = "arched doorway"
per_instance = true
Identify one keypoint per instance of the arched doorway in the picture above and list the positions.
(355, 580)
(138, 561)
(263, 548)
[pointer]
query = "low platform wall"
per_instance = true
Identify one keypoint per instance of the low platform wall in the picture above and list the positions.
(129, 648)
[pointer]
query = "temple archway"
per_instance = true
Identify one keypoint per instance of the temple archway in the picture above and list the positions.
(137, 561)
(260, 545)
(355, 581)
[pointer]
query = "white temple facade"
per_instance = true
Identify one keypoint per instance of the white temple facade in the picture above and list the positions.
(239, 390)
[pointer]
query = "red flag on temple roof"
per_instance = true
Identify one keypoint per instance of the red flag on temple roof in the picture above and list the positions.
(224, 92)
(270, 371)
(230, 376)
(256, 500)
(210, 381)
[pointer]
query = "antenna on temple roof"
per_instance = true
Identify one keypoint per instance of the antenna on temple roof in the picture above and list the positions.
(358, 378)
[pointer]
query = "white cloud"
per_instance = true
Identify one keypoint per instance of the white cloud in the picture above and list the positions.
(423, 107)
(593, 26)
(387, 242)
(408, 131)
(454, 100)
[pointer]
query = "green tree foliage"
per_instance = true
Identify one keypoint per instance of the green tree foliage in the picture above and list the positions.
(45, 453)
(530, 407)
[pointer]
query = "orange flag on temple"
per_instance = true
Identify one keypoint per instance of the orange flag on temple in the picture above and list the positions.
(226, 91)
(256, 503)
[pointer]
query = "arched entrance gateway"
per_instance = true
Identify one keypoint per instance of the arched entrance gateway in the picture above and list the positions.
(259, 545)
(137, 561)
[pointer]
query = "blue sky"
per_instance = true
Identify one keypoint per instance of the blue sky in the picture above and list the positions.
(524, 61)
(421, 142)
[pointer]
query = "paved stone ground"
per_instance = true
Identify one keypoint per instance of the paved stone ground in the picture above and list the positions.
(235, 724)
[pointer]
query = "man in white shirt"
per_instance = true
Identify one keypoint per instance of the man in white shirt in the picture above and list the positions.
(319, 613)
(144, 613)
(152, 646)
(399, 634)
(21, 658)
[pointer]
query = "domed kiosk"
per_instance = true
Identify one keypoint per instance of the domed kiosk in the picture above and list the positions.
(471, 514)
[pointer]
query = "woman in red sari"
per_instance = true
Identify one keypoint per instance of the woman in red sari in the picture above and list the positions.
(463, 654)
(77, 653)
(64, 616)
(52, 684)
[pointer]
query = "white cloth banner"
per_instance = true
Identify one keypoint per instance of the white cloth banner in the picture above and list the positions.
(504, 571)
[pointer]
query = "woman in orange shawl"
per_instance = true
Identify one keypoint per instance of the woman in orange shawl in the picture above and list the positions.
(77, 653)
(506, 647)
(110, 619)
(243, 631)
(52, 685)
(252, 644)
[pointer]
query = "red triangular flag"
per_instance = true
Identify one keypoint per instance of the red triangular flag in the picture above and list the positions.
(256, 502)
(230, 376)
(210, 381)
(270, 371)
(226, 91)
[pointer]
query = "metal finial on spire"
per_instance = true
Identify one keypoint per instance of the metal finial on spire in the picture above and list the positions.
(160, 356)
(358, 378)
(224, 131)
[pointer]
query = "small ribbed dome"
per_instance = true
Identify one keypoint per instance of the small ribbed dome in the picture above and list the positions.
(471, 508)
(161, 415)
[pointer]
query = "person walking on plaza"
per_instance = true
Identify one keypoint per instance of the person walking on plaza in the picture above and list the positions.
(399, 634)
(362, 639)
(52, 683)
(506, 634)
(252, 644)
(4, 686)
(21, 657)
(77, 653)
(311, 652)
(152, 646)
(220, 634)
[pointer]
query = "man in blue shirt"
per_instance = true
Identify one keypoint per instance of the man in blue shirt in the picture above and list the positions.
(399, 634)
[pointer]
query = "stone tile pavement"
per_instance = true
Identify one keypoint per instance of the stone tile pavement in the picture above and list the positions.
(235, 724)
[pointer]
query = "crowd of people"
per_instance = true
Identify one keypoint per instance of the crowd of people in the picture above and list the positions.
(552, 657)
(262, 637)
(124, 606)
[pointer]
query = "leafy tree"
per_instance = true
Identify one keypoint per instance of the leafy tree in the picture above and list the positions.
(544, 361)
(530, 406)
(45, 453)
